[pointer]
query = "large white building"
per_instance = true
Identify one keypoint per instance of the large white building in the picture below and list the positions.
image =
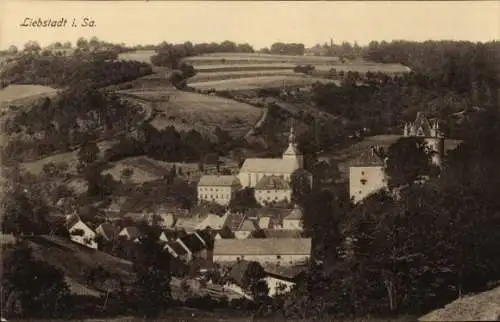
(272, 189)
(276, 251)
(218, 189)
(255, 169)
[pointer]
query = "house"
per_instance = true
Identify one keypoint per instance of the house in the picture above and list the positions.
(282, 251)
(213, 221)
(271, 218)
(280, 279)
(130, 233)
(194, 245)
(366, 175)
(272, 189)
(293, 221)
(217, 188)
(168, 235)
(224, 233)
(277, 233)
(245, 230)
(80, 232)
(107, 230)
(7, 239)
(177, 250)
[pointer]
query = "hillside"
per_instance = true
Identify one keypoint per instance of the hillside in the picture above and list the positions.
(478, 307)
(187, 110)
(253, 71)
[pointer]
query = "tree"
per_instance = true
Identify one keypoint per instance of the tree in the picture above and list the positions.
(38, 287)
(88, 153)
(252, 275)
(407, 161)
(243, 200)
(152, 268)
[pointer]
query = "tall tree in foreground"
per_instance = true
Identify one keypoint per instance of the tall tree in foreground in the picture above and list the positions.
(35, 288)
(152, 268)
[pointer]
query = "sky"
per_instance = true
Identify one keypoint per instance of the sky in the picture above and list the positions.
(259, 23)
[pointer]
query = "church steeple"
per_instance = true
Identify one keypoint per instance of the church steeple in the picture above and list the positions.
(292, 152)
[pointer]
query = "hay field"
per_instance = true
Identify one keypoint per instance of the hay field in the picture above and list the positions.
(139, 55)
(215, 58)
(260, 82)
(188, 110)
(214, 76)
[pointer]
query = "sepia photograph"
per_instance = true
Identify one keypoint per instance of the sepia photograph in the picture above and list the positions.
(250, 160)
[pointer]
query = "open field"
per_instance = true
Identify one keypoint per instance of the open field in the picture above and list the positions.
(17, 93)
(139, 55)
(260, 82)
(187, 110)
(214, 76)
(258, 57)
(235, 66)
(71, 158)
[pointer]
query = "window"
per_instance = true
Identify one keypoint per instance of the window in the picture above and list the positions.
(278, 257)
(362, 173)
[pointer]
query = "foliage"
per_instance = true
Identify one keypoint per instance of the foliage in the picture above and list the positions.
(152, 267)
(252, 275)
(74, 117)
(243, 200)
(407, 160)
(39, 287)
(96, 68)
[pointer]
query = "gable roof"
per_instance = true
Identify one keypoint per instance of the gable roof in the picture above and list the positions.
(272, 183)
(270, 165)
(131, 231)
(247, 225)
(282, 233)
(213, 221)
(366, 159)
(107, 230)
(219, 181)
(235, 220)
(275, 215)
(263, 246)
(177, 248)
(193, 243)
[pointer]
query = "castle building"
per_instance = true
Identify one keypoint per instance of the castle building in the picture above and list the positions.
(428, 130)
(367, 172)
(255, 169)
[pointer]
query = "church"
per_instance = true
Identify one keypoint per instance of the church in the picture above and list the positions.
(254, 170)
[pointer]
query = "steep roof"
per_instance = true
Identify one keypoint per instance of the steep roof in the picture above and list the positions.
(235, 220)
(263, 246)
(272, 183)
(422, 122)
(367, 159)
(268, 165)
(107, 230)
(247, 225)
(282, 233)
(193, 243)
(218, 181)
(213, 221)
(275, 215)
(131, 231)
(177, 248)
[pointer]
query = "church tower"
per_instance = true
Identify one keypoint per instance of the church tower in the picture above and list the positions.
(292, 152)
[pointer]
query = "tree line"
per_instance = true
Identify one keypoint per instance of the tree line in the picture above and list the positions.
(75, 116)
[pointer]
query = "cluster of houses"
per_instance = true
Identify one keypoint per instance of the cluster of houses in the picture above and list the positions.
(273, 179)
